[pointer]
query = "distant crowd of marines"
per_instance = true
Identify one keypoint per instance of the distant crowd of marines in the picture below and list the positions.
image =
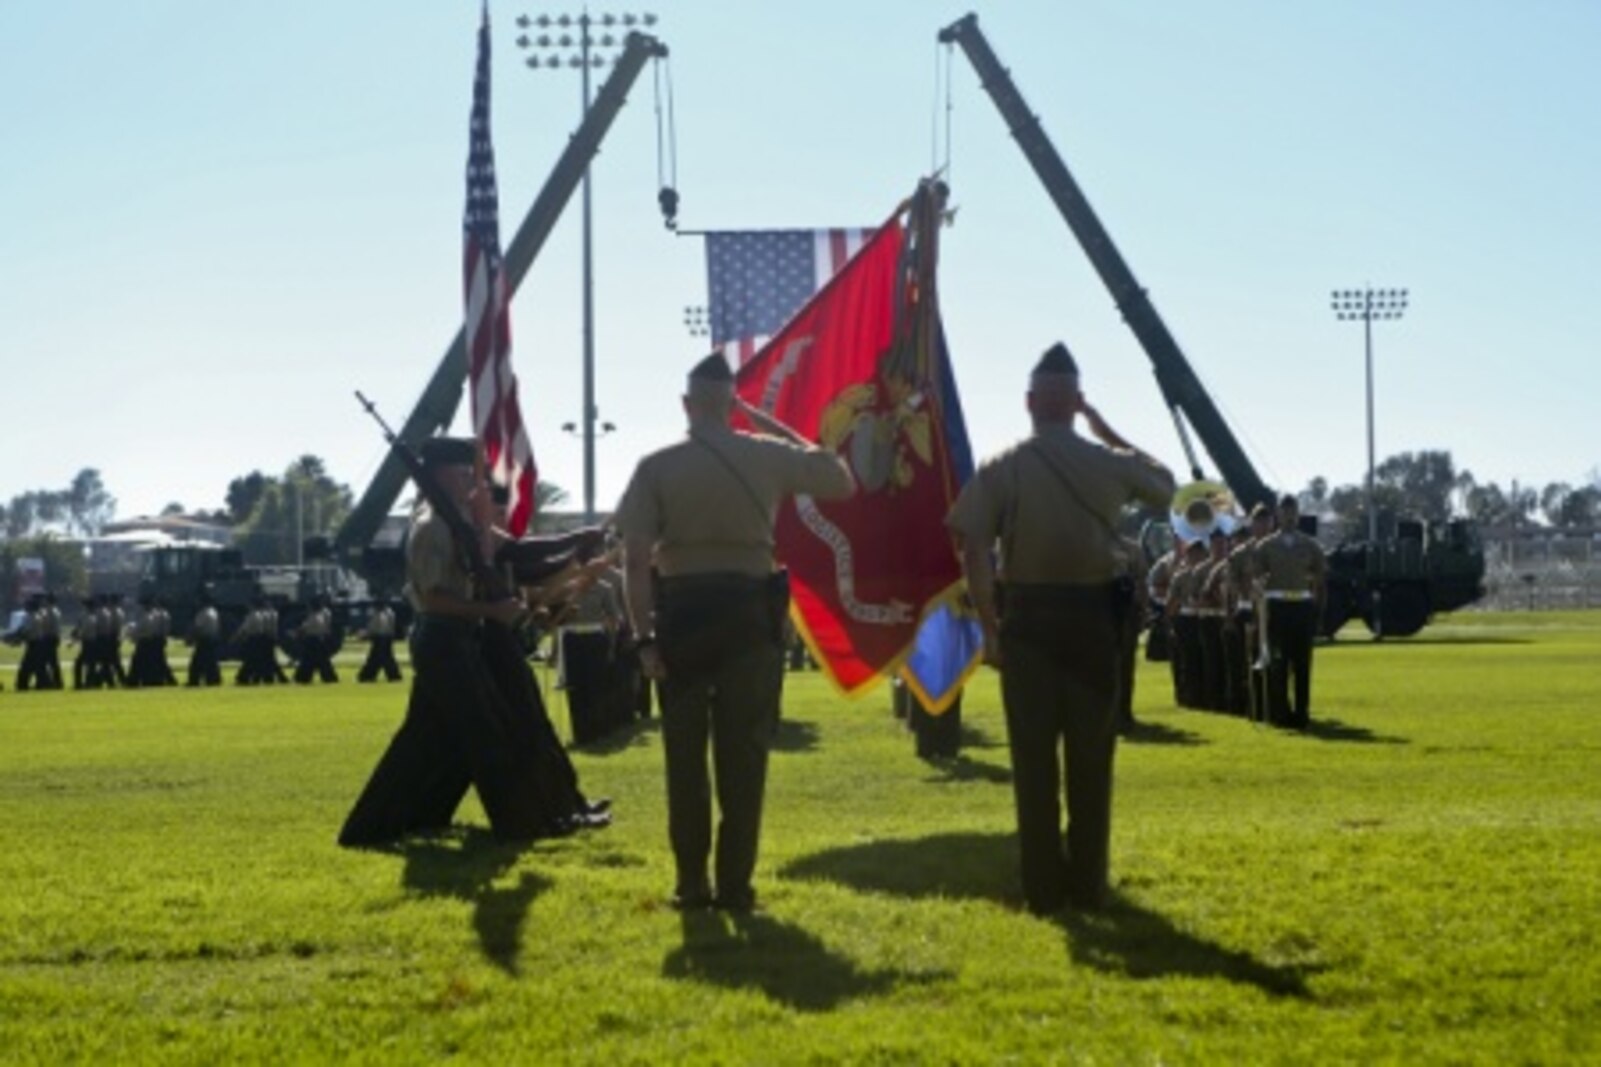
(105, 624)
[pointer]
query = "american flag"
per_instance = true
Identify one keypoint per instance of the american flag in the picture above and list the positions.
(757, 279)
(497, 418)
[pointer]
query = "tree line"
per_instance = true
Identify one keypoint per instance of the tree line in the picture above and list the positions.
(1428, 484)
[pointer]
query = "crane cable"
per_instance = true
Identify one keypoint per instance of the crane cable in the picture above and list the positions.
(666, 145)
(942, 80)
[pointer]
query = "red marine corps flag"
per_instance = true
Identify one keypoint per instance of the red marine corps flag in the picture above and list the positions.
(497, 417)
(859, 370)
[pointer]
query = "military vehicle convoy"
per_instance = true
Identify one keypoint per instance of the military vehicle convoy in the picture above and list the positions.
(1395, 583)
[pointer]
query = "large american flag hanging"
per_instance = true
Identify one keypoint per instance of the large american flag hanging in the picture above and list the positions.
(757, 279)
(497, 418)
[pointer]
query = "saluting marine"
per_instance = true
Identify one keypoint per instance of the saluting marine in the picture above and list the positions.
(1054, 629)
(1293, 571)
(710, 628)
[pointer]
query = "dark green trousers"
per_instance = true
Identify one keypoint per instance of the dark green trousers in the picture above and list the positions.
(1061, 649)
(1291, 627)
(725, 677)
(457, 732)
(734, 706)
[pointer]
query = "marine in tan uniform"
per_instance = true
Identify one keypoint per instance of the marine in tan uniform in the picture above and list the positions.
(1158, 642)
(1183, 594)
(50, 627)
(85, 672)
(1293, 571)
(1051, 503)
(205, 630)
(710, 624)
(316, 633)
(380, 646)
(1243, 634)
(1209, 610)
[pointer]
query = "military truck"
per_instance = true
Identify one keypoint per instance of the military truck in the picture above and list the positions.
(179, 574)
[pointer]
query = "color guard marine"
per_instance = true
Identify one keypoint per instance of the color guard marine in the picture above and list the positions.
(463, 728)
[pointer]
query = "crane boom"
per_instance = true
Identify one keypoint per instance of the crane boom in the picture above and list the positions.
(436, 408)
(1181, 389)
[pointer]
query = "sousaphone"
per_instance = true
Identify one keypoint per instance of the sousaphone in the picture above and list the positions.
(1200, 507)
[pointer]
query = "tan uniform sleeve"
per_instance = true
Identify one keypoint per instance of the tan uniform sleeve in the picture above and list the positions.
(1146, 481)
(428, 562)
(639, 512)
(818, 472)
(976, 515)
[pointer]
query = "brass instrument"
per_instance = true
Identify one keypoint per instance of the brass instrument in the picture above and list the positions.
(1200, 507)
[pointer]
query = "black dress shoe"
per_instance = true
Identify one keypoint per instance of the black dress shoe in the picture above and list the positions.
(742, 901)
(692, 899)
(598, 806)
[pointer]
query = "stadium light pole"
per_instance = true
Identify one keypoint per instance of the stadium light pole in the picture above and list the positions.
(582, 42)
(1367, 304)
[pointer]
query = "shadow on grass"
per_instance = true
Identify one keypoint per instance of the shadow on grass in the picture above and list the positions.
(636, 732)
(795, 735)
(977, 866)
(1128, 939)
(784, 962)
(1325, 645)
(961, 768)
(974, 737)
(1125, 938)
(1145, 732)
(464, 864)
(1335, 730)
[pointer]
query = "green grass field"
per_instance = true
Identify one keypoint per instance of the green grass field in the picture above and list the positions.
(1416, 880)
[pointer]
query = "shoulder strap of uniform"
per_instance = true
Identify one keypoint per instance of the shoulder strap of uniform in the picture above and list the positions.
(756, 501)
(1039, 449)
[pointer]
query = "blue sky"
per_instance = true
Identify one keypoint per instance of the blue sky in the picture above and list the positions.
(216, 220)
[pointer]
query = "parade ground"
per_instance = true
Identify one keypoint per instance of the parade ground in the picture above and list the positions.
(1416, 879)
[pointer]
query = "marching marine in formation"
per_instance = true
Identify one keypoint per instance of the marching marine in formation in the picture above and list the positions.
(316, 634)
(1054, 627)
(204, 633)
(708, 607)
(380, 646)
(1292, 571)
